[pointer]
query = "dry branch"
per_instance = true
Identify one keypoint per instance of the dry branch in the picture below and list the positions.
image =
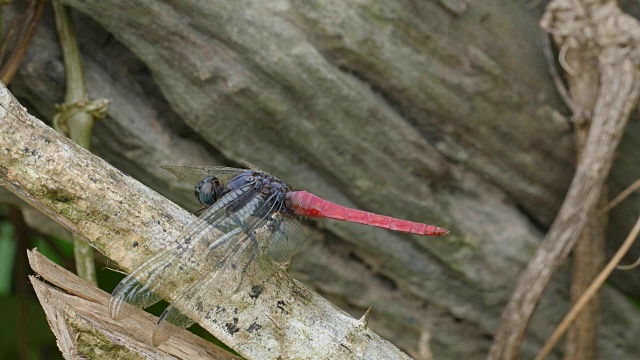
(129, 223)
(614, 37)
(589, 293)
(78, 317)
(588, 255)
(23, 29)
(589, 252)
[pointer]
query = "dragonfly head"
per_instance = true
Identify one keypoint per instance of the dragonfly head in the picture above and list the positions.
(209, 190)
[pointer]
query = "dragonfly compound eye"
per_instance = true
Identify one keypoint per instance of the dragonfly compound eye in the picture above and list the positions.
(208, 190)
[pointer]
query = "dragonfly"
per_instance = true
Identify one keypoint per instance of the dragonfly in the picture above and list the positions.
(248, 229)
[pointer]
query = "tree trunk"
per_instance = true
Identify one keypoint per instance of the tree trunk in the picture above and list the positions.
(438, 112)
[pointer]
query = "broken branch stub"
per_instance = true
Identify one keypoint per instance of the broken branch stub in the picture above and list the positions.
(77, 315)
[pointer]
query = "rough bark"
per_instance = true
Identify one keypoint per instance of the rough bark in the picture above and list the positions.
(129, 223)
(589, 253)
(77, 126)
(588, 260)
(365, 104)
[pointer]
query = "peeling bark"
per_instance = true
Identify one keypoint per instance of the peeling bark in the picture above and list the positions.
(77, 313)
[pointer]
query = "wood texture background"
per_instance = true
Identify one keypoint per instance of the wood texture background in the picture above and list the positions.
(404, 108)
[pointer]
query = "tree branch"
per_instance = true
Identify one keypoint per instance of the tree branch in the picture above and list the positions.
(26, 28)
(589, 293)
(78, 316)
(77, 125)
(616, 38)
(130, 223)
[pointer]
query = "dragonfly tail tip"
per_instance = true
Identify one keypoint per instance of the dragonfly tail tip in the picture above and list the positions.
(441, 232)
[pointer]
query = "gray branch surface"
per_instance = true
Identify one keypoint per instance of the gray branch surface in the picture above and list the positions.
(129, 223)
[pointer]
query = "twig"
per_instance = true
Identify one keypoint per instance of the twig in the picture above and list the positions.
(617, 95)
(584, 299)
(31, 20)
(547, 51)
(581, 200)
(613, 203)
(630, 266)
(79, 125)
(7, 38)
(589, 251)
(623, 195)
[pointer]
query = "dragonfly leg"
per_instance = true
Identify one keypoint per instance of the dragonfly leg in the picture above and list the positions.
(237, 227)
(254, 254)
(224, 239)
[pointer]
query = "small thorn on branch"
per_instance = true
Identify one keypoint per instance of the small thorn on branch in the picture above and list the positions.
(364, 320)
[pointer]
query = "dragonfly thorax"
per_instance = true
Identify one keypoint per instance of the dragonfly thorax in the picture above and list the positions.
(273, 190)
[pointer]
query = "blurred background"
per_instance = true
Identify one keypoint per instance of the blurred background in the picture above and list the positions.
(440, 112)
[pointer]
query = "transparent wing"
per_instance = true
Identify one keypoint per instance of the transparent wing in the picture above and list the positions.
(246, 263)
(188, 255)
(252, 167)
(287, 239)
(193, 174)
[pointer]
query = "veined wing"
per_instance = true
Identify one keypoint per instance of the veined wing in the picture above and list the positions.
(286, 240)
(253, 167)
(188, 255)
(194, 174)
(246, 263)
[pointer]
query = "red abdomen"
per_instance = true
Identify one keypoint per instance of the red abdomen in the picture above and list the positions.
(306, 204)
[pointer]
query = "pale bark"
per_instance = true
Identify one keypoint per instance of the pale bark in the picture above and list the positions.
(129, 223)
